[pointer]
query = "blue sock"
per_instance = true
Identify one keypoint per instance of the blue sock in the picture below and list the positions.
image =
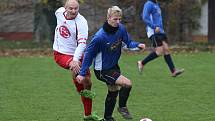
(169, 62)
(150, 57)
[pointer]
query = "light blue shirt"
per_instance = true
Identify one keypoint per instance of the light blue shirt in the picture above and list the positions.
(152, 17)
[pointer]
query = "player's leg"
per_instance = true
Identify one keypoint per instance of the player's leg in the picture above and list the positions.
(109, 77)
(86, 92)
(124, 93)
(110, 101)
(114, 79)
(86, 96)
(153, 55)
(63, 61)
(168, 59)
(87, 102)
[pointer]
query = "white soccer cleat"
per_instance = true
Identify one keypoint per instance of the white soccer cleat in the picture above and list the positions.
(140, 66)
(177, 72)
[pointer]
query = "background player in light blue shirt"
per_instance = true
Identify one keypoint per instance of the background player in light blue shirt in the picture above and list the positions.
(152, 17)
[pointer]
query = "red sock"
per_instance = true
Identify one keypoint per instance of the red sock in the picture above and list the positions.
(79, 87)
(87, 105)
(86, 101)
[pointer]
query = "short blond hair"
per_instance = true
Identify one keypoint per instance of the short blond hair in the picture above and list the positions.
(114, 10)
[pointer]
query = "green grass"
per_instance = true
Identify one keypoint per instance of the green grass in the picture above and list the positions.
(36, 89)
(23, 44)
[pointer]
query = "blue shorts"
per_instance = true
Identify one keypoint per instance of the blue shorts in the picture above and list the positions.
(157, 39)
(108, 76)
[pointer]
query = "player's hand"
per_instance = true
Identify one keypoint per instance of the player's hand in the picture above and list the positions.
(157, 29)
(74, 66)
(142, 46)
(80, 79)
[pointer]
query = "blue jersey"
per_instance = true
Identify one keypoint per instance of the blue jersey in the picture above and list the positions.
(105, 49)
(151, 15)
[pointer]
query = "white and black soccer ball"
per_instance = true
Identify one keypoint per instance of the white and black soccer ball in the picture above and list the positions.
(145, 119)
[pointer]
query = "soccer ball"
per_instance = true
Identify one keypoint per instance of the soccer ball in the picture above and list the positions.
(145, 119)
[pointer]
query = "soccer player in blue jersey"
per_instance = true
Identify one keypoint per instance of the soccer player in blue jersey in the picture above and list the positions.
(105, 49)
(151, 15)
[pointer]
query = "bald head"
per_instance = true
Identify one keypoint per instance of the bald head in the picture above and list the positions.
(71, 3)
(72, 8)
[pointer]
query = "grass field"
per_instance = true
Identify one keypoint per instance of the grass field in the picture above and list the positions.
(36, 89)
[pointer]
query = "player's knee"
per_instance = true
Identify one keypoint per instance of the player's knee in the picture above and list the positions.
(123, 81)
(79, 87)
(166, 50)
(113, 88)
(159, 52)
(127, 84)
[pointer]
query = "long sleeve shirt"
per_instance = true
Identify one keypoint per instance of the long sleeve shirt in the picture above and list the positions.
(152, 17)
(105, 49)
(70, 34)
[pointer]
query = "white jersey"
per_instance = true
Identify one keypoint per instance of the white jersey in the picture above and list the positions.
(70, 35)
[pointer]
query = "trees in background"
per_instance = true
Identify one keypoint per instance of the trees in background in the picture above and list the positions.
(180, 16)
(45, 20)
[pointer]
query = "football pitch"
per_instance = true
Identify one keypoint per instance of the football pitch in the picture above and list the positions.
(36, 89)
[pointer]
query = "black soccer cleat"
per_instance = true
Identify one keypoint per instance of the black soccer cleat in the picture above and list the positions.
(124, 112)
(110, 119)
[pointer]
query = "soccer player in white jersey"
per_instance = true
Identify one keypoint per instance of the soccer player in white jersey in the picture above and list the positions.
(71, 34)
